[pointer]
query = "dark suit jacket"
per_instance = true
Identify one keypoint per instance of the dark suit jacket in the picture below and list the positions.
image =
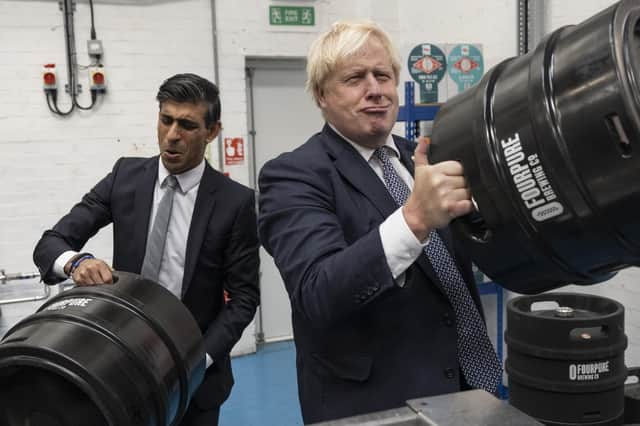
(363, 343)
(222, 253)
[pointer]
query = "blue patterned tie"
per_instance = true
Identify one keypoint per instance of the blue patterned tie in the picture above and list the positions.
(477, 357)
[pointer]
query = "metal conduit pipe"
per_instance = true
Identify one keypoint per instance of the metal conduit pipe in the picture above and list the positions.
(216, 73)
(530, 24)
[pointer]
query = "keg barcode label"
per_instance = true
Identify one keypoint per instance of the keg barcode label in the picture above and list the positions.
(531, 181)
(81, 302)
(592, 371)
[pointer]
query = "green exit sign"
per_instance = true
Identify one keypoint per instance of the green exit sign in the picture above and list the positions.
(292, 15)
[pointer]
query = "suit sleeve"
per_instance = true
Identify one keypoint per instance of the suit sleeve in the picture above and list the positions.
(75, 228)
(328, 274)
(241, 272)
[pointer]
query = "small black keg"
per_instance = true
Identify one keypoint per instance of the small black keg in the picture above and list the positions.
(565, 358)
(129, 354)
(549, 144)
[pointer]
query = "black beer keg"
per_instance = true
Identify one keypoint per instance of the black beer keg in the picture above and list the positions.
(565, 358)
(549, 144)
(129, 354)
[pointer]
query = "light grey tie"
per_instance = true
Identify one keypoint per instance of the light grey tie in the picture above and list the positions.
(158, 236)
(478, 360)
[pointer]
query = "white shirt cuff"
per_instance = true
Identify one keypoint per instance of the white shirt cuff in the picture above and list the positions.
(401, 247)
(61, 261)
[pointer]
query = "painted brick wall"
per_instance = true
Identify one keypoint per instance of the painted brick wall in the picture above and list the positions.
(568, 12)
(48, 162)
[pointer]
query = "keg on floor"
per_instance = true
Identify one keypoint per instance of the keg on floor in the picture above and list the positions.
(565, 358)
(129, 353)
(549, 142)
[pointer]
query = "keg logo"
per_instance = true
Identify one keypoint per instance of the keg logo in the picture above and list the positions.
(587, 372)
(531, 181)
(80, 302)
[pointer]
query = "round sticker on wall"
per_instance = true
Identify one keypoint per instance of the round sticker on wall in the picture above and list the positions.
(466, 65)
(427, 65)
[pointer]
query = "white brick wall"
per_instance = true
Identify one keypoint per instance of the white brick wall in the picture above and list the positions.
(569, 12)
(48, 162)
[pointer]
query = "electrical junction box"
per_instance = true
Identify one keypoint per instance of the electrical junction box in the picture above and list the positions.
(49, 80)
(94, 48)
(97, 81)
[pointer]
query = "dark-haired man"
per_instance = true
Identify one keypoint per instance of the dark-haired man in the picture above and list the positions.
(208, 243)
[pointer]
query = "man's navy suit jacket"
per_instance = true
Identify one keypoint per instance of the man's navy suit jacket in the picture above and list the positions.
(363, 343)
(221, 253)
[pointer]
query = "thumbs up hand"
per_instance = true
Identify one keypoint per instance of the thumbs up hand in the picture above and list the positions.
(440, 193)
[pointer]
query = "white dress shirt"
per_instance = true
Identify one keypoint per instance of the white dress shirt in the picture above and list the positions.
(184, 200)
(401, 246)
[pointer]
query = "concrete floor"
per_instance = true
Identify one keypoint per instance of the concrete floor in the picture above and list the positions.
(265, 390)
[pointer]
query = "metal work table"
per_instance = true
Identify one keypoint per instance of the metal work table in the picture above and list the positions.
(475, 407)
(20, 298)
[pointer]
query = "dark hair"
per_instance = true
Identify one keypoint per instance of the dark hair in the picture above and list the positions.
(195, 89)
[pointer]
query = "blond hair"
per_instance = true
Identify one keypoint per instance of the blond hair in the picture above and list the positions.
(343, 39)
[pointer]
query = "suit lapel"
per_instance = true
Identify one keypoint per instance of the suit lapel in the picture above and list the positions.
(205, 202)
(358, 173)
(143, 205)
(405, 148)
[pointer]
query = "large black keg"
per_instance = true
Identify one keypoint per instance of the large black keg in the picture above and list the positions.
(549, 144)
(129, 354)
(565, 358)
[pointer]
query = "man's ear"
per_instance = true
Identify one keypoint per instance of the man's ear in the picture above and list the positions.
(213, 131)
(319, 95)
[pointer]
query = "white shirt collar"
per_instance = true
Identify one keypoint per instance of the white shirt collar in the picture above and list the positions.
(187, 180)
(365, 152)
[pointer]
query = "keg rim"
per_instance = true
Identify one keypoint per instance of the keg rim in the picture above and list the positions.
(522, 304)
(39, 363)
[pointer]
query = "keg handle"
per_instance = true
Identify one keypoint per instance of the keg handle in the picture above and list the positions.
(115, 276)
(634, 372)
(473, 225)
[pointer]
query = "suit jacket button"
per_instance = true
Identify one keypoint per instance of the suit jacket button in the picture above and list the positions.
(449, 373)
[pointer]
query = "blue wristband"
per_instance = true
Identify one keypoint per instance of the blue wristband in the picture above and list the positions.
(78, 261)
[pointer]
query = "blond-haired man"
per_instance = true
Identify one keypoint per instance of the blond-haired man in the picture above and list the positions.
(379, 290)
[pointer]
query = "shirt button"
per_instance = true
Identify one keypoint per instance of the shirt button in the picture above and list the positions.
(449, 373)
